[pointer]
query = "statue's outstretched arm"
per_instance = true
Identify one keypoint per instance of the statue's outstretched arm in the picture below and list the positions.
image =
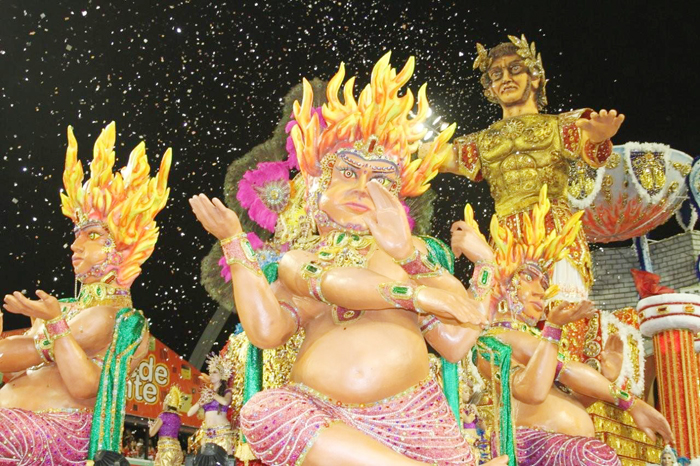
(267, 325)
(88, 333)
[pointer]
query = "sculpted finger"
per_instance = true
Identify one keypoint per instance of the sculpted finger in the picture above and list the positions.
(219, 205)
(612, 113)
(371, 222)
(603, 113)
(459, 225)
(382, 198)
(650, 433)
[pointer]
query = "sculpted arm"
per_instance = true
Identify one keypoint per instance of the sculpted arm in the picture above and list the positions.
(91, 332)
(534, 375)
(267, 325)
(450, 341)
(587, 381)
(18, 353)
(356, 288)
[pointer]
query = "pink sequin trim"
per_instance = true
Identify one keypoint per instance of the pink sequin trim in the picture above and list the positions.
(281, 424)
(539, 448)
(29, 438)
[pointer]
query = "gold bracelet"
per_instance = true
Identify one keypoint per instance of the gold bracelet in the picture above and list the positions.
(237, 250)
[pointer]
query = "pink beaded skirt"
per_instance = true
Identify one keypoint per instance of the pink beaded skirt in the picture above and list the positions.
(44, 438)
(281, 424)
(539, 448)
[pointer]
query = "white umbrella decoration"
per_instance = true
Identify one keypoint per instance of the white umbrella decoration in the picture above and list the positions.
(639, 188)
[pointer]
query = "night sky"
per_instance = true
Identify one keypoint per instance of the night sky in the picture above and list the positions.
(207, 77)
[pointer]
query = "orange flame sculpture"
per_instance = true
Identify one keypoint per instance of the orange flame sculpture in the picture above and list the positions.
(380, 116)
(125, 203)
(533, 246)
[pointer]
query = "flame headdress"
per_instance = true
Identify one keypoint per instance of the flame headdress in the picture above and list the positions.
(533, 249)
(376, 126)
(125, 203)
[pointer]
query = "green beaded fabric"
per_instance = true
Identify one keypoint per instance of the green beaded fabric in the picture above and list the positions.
(108, 419)
(489, 347)
(440, 253)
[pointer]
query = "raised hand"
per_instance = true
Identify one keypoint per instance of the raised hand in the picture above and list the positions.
(566, 312)
(468, 241)
(388, 222)
(650, 421)
(601, 125)
(46, 307)
(449, 308)
(612, 357)
(215, 217)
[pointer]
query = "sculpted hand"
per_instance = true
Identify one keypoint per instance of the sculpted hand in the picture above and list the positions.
(388, 222)
(449, 308)
(469, 241)
(46, 307)
(215, 217)
(601, 126)
(566, 312)
(650, 421)
(612, 357)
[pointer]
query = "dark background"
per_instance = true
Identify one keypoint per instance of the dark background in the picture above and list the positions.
(206, 77)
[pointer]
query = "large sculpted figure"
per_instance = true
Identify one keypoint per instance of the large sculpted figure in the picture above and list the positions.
(367, 294)
(68, 371)
(540, 394)
(527, 149)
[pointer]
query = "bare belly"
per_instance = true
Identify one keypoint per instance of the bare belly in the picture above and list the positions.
(376, 357)
(560, 413)
(40, 390)
(215, 419)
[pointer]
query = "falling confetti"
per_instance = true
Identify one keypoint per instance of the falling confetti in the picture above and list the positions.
(207, 78)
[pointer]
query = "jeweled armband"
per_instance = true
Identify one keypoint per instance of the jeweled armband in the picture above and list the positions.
(418, 265)
(551, 332)
(623, 399)
(428, 323)
(56, 328)
(44, 347)
(237, 250)
(401, 295)
(293, 311)
(482, 281)
(313, 273)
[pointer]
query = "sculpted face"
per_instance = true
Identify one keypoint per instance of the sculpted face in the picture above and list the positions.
(531, 293)
(511, 84)
(346, 199)
(90, 251)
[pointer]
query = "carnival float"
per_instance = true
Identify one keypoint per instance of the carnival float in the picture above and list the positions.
(358, 344)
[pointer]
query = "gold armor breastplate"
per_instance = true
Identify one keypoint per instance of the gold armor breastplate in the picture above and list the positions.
(518, 156)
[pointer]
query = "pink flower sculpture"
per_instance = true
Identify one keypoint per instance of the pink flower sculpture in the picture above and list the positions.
(264, 193)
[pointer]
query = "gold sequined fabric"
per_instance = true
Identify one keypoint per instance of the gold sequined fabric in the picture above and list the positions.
(169, 452)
